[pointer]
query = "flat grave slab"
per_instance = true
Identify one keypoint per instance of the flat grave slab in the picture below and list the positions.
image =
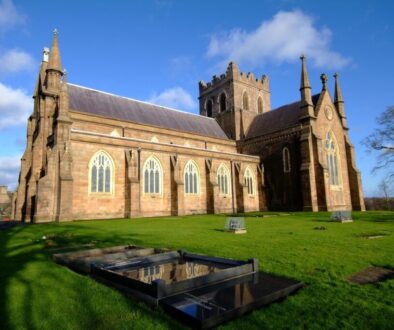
(212, 305)
(371, 275)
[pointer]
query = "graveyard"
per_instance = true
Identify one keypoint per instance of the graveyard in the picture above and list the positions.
(325, 255)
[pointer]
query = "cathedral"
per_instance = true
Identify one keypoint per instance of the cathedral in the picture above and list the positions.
(94, 155)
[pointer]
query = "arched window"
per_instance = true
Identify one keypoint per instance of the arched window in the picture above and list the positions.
(260, 106)
(209, 108)
(245, 101)
(192, 178)
(249, 181)
(222, 102)
(153, 176)
(286, 160)
(101, 172)
(224, 180)
(332, 159)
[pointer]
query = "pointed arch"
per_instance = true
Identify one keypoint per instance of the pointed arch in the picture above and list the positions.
(250, 181)
(101, 173)
(209, 107)
(153, 176)
(333, 159)
(245, 101)
(260, 105)
(224, 180)
(286, 160)
(192, 178)
(223, 102)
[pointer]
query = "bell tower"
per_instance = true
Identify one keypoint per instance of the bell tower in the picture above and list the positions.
(234, 99)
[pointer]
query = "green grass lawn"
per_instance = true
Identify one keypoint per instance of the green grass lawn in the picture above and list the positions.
(36, 293)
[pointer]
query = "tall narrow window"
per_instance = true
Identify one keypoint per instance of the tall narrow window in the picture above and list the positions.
(332, 159)
(286, 160)
(245, 101)
(222, 102)
(260, 108)
(101, 171)
(209, 108)
(192, 178)
(249, 181)
(224, 180)
(153, 176)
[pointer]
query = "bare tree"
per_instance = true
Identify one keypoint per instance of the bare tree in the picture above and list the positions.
(384, 189)
(382, 141)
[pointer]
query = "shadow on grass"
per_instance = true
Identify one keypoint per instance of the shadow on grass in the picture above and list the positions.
(37, 293)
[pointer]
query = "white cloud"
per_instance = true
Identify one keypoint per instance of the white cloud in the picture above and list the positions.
(282, 39)
(9, 171)
(175, 97)
(16, 60)
(9, 16)
(15, 106)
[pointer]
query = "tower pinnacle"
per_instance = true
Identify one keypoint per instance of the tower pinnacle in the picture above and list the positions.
(338, 93)
(304, 74)
(54, 57)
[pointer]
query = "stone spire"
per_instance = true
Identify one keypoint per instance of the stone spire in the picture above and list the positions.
(54, 57)
(54, 68)
(338, 101)
(338, 93)
(306, 91)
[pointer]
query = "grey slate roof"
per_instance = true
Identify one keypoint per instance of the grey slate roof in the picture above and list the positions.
(278, 119)
(94, 102)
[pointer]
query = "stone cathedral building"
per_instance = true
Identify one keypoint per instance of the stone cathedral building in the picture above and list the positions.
(91, 154)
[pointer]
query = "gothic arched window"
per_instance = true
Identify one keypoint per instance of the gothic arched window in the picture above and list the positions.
(101, 173)
(153, 176)
(209, 108)
(224, 180)
(260, 105)
(286, 160)
(192, 178)
(245, 101)
(222, 102)
(249, 181)
(332, 159)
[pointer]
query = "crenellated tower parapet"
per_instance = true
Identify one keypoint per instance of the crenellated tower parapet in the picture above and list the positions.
(234, 98)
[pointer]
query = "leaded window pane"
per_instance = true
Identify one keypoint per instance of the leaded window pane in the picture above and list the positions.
(151, 182)
(146, 183)
(94, 179)
(157, 182)
(100, 179)
(107, 179)
(186, 183)
(195, 183)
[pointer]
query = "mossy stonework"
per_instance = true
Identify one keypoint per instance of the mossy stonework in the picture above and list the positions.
(60, 178)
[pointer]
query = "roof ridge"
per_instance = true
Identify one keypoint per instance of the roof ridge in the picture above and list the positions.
(139, 101)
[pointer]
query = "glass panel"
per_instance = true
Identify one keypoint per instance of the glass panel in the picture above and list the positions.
(186, 183)
(93, 179)
(191, 183)
(146, 177)
(151, 182)
(107, 179)
(157, 182)
(225, 185)
(101, 179)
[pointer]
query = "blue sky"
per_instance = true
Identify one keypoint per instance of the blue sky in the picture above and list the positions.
(158, 51)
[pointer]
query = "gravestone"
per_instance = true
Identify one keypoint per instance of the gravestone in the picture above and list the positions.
(342, 216)
(235, 225)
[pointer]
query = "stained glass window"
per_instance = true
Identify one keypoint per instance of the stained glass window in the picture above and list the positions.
(152, 176)
(101, 173)
(224, 180)
(249, 181)
(192, 178)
